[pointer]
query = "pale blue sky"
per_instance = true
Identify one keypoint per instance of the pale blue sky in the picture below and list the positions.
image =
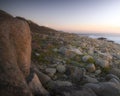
(69, 15)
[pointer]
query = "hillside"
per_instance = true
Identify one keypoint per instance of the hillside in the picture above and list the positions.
(62, 64)
(81, 60)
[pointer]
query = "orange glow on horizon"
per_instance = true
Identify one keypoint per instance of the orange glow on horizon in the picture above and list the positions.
(89, 28)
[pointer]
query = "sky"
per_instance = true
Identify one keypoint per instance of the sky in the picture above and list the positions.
(91, 16)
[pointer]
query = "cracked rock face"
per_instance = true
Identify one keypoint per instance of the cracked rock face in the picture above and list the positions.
(15, 54)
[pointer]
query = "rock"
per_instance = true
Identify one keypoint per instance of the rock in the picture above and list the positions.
(90, 68)
(50, 71)
(55, 50)
(114, 81)
(42, 77)
(75, 73)
(88, 59)
(105, 88)
(115, 71)
(62, 50)
(105, 56)
(110, 76)
(72, 91)
(97, 72)
(37, 88)
(70, 52)
(62, 83)
(75, 50)
(37, 54)
(117, 56)
(15, 56)
(91, 51)
(89, 79)
(95, 87)
(102, 63)
(61, 68)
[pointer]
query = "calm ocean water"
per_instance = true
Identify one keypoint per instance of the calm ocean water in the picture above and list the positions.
(115, 38)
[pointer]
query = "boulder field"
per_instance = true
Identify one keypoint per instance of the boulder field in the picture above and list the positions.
(40, 61)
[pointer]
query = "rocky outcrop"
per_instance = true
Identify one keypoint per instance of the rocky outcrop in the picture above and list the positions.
(65, 64)
(16, 79)
(15, 50)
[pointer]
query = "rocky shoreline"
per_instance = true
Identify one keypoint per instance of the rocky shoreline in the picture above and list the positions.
(62, 64)
(87, 63)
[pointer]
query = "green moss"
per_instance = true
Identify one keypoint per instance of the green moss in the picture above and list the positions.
(90, 60)
(106, 70)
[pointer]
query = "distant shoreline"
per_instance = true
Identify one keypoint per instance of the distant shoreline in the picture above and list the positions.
(109, 37)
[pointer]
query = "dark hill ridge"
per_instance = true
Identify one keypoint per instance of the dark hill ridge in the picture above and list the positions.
(35, 28)
(4, 15)
(64, 63)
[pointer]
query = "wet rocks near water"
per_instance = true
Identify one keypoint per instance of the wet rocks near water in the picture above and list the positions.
(102, 38)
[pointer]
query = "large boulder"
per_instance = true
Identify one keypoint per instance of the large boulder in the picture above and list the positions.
(37, 88)
(75, 73)
(72, 91)
(115, 71)
(15, 54)
(111, 88)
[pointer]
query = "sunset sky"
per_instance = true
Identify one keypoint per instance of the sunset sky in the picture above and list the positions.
(69, 15)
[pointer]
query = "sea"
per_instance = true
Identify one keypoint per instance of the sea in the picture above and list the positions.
(115, 38)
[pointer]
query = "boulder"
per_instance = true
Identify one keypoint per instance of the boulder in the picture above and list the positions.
(75, 73)
(115, 71)
(89, 79)
(70, 52)
(102, 63)
(97, 72)
(36, 87)
(62, 83)
(42, 77)
(72, 91)
(50, 71)
(105, 56)
(105, 88)
(90, 68)
(15, 55)
(111, 76)
(115, 81)
(76, 51)
(61, 68)
(88, 59)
